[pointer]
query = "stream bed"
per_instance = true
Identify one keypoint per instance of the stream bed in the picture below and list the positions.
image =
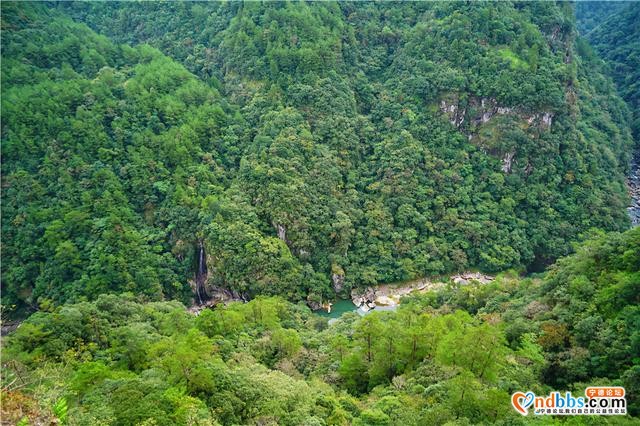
(633, 183)
(386, 297)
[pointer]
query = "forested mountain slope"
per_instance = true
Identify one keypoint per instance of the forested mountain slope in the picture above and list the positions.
(296, 149)
(617, 40)
(449, 357)
(591, 14)
(106, 150)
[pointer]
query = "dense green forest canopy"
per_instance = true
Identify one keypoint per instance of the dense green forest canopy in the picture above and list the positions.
(616, 40)
(296, 149)
(156, 154)
(448, 357)
(592, 14)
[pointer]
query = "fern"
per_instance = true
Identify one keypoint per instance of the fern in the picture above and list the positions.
(60, 410)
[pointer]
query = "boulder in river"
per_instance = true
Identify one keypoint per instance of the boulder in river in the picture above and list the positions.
(386, 301)
(468, 277)
(365, 296)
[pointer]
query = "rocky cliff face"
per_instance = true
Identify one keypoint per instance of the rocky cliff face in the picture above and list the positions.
(337, 278)
(478, 111)
(473, 115)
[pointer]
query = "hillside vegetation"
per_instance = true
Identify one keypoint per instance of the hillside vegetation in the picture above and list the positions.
(295, 149)
(449, 357)
(278, 155)
(616, 41)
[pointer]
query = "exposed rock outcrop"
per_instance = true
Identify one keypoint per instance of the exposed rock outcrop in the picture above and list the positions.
(470, 115)
(468, 277)
(9, 327)
(361, 297)
(480, 111)
(314, 303)
(544, 119)
(337, 278)
(633, 184)
(217, 295)
(338, 282)
(389, 295)
(282, 232)
(451, 109)
(507, 161)
(485, 109)
(202, 274)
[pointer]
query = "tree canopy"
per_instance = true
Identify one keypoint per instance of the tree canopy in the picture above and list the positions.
(261, 148)
(281, 154)
(450, 356)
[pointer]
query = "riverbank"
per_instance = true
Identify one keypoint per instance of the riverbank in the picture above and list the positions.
(633, 184)
(363, 300)
(388, 296)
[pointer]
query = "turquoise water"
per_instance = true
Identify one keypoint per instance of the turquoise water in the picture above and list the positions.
(338, 308)
(342, 306)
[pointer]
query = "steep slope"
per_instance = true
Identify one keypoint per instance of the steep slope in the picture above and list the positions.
(321, 146)
(617, 41)
(380, 86)
(108, 152)
(591, 14)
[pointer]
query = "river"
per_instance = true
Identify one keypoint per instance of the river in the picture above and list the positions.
(386, 297)
(633, 183)
(342, 306)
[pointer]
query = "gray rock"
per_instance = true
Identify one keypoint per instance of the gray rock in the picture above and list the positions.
(282, 232)
(506, 161)
(314, 305)
(338, 282)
